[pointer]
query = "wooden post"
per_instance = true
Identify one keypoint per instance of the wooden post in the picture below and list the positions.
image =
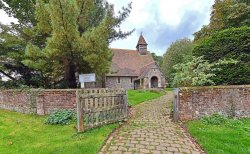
(126, 103)
(79, 113)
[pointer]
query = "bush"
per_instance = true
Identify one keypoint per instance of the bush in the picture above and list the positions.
(61, 117)
(215, 119)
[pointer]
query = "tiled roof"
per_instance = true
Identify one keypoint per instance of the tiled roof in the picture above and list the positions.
(129, 62)
(142, 41)
(144, 70)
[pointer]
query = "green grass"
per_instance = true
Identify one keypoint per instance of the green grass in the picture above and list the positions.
(223, 138)
(28, 134)
(138, 96)
(169, 89)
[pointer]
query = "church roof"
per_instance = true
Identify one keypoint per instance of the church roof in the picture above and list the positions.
(141, 41)
(129, 62)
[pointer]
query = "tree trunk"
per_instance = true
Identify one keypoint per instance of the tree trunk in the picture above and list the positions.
(69, 75)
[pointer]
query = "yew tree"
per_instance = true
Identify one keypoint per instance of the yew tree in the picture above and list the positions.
(61, 38)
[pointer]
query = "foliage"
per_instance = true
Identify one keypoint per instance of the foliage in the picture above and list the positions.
(158, 59)
(218, 119)
(54, 40)
(197, 72)
(230, 43)
(230, 136)
(232, 74)
(61, 117)
(175, 55)
(22, 133)
(225, 14)
(215, 119)
(136, 97)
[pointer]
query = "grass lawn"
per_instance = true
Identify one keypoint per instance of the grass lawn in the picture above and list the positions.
(21, 133)
(138, 96)
(169, 89)
(222, 139)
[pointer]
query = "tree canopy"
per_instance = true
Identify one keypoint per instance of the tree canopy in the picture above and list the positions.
(231, 43)
(175, 55)
(225, 14)
(54, 40)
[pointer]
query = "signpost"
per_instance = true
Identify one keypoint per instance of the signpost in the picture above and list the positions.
(86, 78)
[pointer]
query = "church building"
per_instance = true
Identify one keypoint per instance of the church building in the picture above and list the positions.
(134, 69)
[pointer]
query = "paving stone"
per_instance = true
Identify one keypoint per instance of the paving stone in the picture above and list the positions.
(150, 131)
(172, 149)
(134, 142)
(161, 148)
(121, 148)
(150, 147)
(117, 152)
(140, 146)
(144, 151)
(144, 143)
(156, 152)
(113, 148)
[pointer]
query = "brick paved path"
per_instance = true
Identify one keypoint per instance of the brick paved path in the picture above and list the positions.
(150, 131)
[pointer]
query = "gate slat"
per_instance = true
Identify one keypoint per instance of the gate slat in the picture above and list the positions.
(101, 106)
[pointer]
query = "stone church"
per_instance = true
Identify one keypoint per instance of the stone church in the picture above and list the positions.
(134, 69)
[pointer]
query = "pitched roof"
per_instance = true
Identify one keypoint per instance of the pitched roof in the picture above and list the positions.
(128, 62)
(141, 41)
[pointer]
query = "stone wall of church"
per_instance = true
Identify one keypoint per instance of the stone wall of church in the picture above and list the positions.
(120, 82)
(157, 73)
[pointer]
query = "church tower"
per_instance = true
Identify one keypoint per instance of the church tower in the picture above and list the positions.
(142, 46)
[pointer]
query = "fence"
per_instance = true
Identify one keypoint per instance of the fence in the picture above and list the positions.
(97, 107)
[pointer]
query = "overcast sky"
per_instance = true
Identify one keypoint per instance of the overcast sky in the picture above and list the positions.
(161, 21)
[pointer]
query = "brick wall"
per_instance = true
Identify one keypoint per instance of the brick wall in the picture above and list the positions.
(194, 102)
(37, 101)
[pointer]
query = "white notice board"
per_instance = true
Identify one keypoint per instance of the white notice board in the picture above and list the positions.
(87, 77)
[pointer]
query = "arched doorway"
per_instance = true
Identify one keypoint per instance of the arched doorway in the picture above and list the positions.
(154, 82)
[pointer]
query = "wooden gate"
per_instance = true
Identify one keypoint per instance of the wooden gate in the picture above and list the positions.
(96, 107)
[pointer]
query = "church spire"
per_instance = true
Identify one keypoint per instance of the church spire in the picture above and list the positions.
(142, 45)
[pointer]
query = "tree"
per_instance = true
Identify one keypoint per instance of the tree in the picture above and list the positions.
(13, 40)
(175, 55)
(197, 72)
(231, 43)
(38, 29)
(193, 73)
(225, 14)
(158, 59)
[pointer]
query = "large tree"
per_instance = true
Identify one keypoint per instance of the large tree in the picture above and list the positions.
(231, 43)
(225, 14)
(175, 55)
(63, 37)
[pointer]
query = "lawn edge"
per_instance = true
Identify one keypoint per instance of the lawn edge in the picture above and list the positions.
(192, 139)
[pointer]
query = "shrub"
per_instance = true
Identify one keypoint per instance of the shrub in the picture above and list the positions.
(215, 119)
(61, 117)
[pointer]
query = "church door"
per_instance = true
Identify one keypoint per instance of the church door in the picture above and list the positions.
(154, 82)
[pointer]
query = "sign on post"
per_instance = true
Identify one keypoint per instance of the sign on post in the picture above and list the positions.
(86, 78)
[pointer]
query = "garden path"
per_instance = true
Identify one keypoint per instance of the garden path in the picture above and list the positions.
(150, 130)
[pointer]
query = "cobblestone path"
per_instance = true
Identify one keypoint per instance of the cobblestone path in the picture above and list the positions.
(150, 130)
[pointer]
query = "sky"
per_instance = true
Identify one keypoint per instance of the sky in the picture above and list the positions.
(160, 21)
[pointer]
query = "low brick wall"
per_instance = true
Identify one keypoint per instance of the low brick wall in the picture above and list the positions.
(195, 102)
(37, 101)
